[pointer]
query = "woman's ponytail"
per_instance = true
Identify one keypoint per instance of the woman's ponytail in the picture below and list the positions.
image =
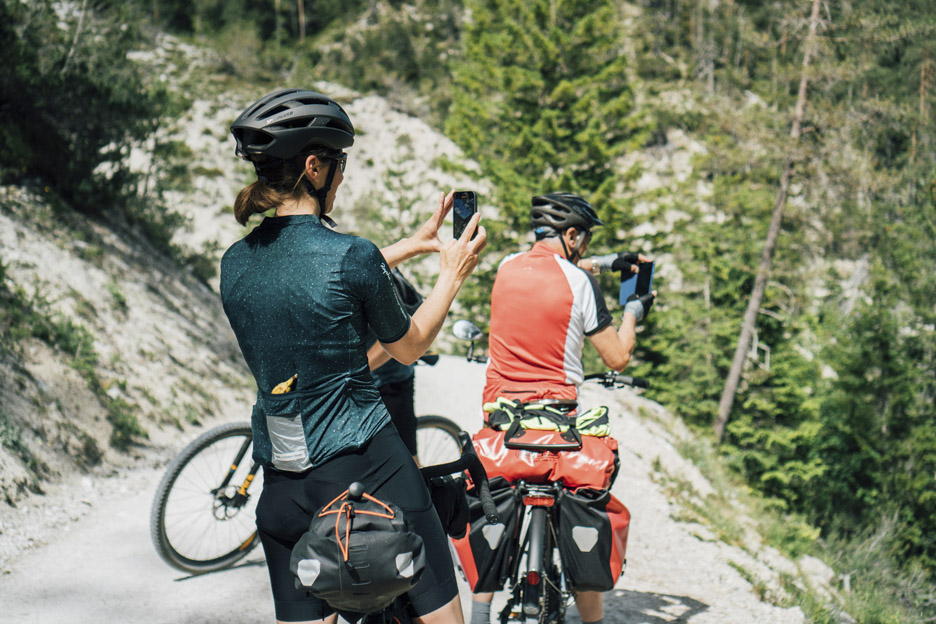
(278, 182)
(256, 198)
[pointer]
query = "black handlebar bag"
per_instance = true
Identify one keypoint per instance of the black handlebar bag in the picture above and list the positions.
(358, 555)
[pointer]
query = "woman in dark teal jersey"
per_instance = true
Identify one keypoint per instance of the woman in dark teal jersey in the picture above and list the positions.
(300, 298)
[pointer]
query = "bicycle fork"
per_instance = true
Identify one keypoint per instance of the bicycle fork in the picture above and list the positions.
(225, 499)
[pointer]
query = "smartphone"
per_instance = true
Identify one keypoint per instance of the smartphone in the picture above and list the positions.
(464, 206)
(636, 283)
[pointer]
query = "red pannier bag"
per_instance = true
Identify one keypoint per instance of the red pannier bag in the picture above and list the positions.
(593, 465)
(487, 550)
(593, 527)
(514, 464)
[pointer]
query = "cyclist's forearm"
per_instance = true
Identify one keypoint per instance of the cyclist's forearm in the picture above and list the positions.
(377, 356)
(400, 251)
(627, 333)
(615, 345)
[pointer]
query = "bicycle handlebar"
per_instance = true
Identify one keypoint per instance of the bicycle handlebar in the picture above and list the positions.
(612, 379)
(468, 461)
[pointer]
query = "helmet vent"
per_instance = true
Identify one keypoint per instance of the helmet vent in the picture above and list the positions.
(273, 112)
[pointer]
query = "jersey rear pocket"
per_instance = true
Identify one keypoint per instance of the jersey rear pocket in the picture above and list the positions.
(287, 439)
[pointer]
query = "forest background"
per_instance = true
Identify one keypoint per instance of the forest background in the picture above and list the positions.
(837, 433)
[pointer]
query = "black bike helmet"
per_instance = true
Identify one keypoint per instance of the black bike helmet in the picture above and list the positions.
(282, 124)
(560, 211)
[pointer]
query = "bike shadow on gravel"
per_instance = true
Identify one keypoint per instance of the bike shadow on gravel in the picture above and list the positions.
(631, 607)
(247, 563)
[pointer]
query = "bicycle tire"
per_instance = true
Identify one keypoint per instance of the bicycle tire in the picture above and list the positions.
(436, 440)
(202, 534)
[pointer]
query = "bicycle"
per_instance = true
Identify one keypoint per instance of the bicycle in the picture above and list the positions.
(540, 591)
(203, 514)
(538, 586)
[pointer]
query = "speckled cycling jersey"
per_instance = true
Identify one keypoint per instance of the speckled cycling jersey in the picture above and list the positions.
(300, 297)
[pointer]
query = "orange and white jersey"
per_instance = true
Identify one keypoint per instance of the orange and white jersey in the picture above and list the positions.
(542, 308)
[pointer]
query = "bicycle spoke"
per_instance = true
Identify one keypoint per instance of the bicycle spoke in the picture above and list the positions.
(436, 440)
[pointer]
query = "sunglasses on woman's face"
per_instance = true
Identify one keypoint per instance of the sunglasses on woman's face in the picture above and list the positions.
(342, 160)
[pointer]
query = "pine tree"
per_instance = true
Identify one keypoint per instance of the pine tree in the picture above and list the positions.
(542, 98)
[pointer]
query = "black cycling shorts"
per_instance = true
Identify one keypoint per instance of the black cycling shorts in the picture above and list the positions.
(398, 397)
(387, 471)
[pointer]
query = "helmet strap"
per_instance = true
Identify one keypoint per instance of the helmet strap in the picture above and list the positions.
(322, 193)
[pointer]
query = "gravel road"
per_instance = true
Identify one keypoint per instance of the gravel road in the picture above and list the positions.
(81, 554)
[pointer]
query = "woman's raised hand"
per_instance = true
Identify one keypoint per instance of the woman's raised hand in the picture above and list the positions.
(425, 240)
(426, 237)
(459, 257)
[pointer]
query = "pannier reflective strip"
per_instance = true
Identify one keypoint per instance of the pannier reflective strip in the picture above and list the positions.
(585, 537)
(492, 534)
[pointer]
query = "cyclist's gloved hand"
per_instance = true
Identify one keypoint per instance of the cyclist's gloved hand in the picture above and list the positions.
(622, 261)
(639, 306)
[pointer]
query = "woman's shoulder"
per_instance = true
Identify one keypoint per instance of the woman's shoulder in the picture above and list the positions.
(234, 250)
(360, 246)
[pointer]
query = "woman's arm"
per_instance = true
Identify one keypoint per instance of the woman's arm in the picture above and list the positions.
(425, 240)
(377, 356)
(457, 260)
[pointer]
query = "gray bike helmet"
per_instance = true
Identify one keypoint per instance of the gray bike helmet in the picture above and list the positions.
(282, 124)
(560, 211)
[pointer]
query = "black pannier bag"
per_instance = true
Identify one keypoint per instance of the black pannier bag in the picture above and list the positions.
(358, 555)
(488, 550)
(593, 528)
(450, 499)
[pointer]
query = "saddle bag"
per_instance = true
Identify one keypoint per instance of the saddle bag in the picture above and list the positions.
(593, 528)
(486, 552)
(358, 555)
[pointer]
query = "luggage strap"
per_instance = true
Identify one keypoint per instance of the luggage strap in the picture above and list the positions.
(347, 511)
(510, 416)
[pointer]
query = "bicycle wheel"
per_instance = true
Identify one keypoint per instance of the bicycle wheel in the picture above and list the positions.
(436, 440)
(199, 522)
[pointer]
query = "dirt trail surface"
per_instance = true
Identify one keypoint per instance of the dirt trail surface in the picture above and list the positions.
(82, 553)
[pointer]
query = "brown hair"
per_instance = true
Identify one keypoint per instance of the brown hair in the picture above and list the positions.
(278, 182)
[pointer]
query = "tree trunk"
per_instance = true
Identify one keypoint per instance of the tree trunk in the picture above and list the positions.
(773, 232)
(302, 25)
(276, 22)
(71, 51)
